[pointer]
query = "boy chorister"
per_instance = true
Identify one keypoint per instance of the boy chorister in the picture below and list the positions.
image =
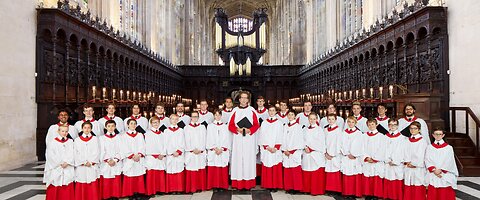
(261, 109)
(270, 141)
(133, 153)
(205, 116)
(87, 157)
(110, 164)
(195, 155)
(155, 159)
(137, 116)
(303, 116)
(111, 116)
(175, 140)
(218, 145)
(333, 156)
(352, 151)
(292, 148)
(442, 170)
(414, 160)
(88, 112)
(393, 182)
(313, 162)
(52, 132)
(59, 171)
(373, 160)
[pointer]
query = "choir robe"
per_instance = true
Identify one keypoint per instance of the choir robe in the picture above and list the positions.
(374, 145)
(293, 143)
(313, 163)
(262, 114)
(155, 146)
(361, 123)
(244, 149)
(218, 136)
(52, 132)
(133, 172)
(226, 114)
(110, 177)
(340, 122)
(175, 142)
(271, 135)
(414, 178)
(164, 121)
(383, 121)
(204, 117)
(282, 117)
(59, 180)
(196, 174)
(440, 155)
(86, 149)
(141, 121)
(333, 140)
(393, 182)
(405, 122)
(95, 127)
(303, 119)
(352, 143)
(118, 123)
(183, 118)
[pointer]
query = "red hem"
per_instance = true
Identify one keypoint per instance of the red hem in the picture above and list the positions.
(132, 185)
(195, 180)
(176, 182)
(60, 192)
(156, 181)
(217, 177)
(292, 178)
(334, 181)
(415, 192)
(87, 190)
(272, 177)
(373, 186)
(114, 186)
(443, 193)
(352, 185)
(314, 181)
(393, 189)
(244, 184)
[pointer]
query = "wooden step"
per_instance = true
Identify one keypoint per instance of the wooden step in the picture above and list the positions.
(469, 160)
(464, 151)
(471, 170)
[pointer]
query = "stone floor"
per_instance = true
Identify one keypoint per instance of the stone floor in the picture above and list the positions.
(26, 183)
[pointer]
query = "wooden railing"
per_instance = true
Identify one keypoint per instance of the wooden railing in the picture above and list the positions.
(468, 114)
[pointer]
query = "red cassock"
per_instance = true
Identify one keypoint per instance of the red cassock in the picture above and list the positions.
(60, 192)
(111, 187)
(156, 181)
(87, 191)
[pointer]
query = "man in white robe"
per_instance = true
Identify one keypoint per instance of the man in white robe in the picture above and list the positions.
(403, 123)
(244, 125)
(282, 115)
(160, 113)
(137, 116)
(331, 109)
(303, 116)
(382, 118)
(111, 116)
(205, 117)
(227, 110)
(183, 119)
(63, 121)
(261, 109)
(88, 113)
(361, 120)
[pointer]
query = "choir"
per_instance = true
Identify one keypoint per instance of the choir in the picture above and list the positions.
(136, 157)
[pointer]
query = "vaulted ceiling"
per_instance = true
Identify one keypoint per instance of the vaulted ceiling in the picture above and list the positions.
(240, 7)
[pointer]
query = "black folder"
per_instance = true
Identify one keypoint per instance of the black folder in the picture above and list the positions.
(406, 131)
(205, 124)
(181, 124)
(244, 123)
(163, 127)
(140, 130)
(382, 129)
